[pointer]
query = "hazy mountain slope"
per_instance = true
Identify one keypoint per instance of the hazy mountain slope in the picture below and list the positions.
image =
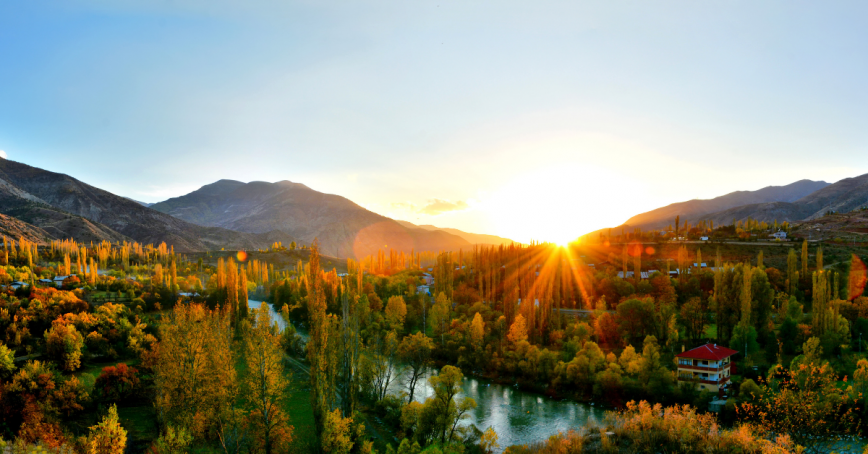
(26, 188)
(16, 229)
(696, 210)
(843, 196)
(343, 228)
(472, 238)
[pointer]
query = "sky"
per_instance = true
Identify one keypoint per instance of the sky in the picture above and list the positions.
(531, 120)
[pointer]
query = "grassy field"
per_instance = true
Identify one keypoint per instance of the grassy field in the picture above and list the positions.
(300, 411)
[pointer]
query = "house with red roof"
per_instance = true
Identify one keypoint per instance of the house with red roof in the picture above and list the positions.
(708, 366)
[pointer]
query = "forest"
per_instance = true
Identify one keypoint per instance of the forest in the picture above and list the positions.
(135, 348)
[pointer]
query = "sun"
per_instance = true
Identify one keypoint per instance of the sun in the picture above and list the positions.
(558, 204)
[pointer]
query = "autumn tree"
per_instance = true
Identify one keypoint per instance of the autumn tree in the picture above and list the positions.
(517, 331)
(396, 312)
(63, 343)
(265, 384)
(322, 362)
(807, 404)
(107, 437)
(477, 332)
(194, 374)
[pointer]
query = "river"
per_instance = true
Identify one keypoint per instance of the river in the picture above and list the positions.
(518, 417)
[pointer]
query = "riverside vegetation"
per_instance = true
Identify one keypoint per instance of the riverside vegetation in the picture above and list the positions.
(178, 364)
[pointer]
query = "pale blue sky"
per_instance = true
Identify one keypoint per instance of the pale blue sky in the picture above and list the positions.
(613, 107)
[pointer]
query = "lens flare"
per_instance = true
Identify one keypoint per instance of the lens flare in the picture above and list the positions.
(241, 256)
(649, 250)
(858, 278)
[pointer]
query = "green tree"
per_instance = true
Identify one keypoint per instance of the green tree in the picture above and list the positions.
(446, 412)
(7, 361)
(415, 351)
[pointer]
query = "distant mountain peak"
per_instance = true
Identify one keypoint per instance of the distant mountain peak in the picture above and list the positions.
(343, 228)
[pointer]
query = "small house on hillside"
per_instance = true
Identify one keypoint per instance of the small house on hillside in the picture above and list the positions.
(780, 235)
(709, 366)
(58, 281)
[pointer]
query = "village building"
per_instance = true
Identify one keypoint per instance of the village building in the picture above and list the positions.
(708, 366)
(780, 235)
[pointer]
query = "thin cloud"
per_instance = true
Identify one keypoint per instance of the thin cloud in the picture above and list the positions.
(404, 206)
(437, 206)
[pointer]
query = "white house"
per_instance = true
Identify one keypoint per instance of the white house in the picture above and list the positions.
(703, 238)
(780, 235)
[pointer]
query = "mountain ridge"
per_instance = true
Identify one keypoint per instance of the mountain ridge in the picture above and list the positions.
(703, 209)
(342, 227)
(67, 207)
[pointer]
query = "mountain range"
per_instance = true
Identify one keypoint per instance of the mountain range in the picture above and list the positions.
(64, 207)
(343, 228)
(799, 201)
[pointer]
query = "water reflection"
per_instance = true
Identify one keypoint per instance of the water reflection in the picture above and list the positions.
(519, 417)
(275, 316)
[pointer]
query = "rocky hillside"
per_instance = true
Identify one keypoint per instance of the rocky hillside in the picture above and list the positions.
(344, 229)
(66, 207)
(16, 229)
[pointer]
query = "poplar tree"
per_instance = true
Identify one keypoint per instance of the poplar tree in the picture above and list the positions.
(792, 273)
(820, 259)
(804, 258)
(820, 303)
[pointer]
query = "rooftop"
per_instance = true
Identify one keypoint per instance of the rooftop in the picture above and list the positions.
(708, 352)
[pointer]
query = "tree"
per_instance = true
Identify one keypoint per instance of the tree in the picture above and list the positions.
(175, 440)
(477, 331)
(415, 351)
(381, 361)
(488, 443)
(322, 361)
(107, 437)
(635, 316)
(337, 434)
(693, 318)
(116, 382)
(445, 411)
(64, 343)
(517, 331)
(194, 372)
(606, 328)
(7, 361)
(396, 312)
(806, 403)
(266, 383)
(440, 316)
